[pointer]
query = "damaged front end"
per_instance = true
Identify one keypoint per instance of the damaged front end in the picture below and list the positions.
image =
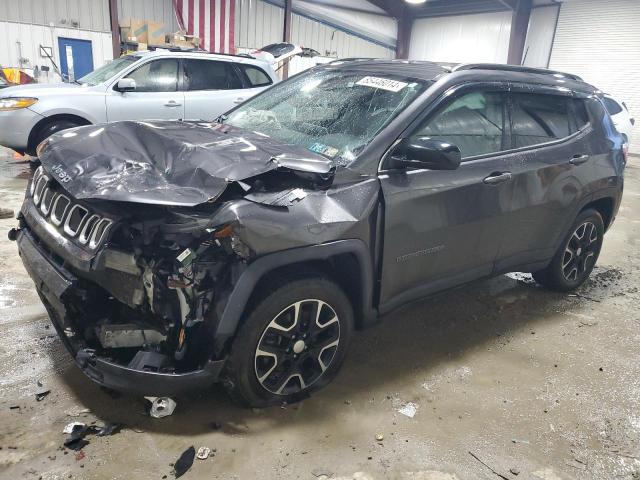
(135, 288)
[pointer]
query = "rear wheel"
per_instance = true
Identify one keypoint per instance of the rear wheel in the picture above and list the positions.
(574, 261)
(292, 343)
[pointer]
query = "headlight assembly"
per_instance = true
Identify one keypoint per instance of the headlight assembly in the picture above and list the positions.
(16, 103)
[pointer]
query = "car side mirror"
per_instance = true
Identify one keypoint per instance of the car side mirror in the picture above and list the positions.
(126, 85)
(425, 152)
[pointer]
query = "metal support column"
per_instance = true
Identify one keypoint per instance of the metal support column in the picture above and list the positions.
(115, 27)
(519, 26)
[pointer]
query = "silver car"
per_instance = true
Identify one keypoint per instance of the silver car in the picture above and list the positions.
(160, 85)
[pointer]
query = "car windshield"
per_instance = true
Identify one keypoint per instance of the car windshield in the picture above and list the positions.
(333, 113)
(107, 71)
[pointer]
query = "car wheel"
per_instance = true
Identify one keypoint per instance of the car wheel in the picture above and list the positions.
(573, 262)
(291, 344)
(48, 129)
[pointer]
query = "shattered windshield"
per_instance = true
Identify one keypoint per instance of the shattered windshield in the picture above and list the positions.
(107, 71)
(333, 113)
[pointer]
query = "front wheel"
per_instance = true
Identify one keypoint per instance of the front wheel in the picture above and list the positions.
(48, 129)
(292, 343)
(578, 253)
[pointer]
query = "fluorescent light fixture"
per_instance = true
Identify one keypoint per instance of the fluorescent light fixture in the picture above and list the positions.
(415, 2)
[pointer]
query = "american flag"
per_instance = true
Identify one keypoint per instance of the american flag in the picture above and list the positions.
(213, 21)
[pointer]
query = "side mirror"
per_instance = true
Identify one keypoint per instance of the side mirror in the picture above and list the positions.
(424, 152)
(126, 85)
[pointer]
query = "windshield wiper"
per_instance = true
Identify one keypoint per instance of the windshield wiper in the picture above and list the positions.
(221, 119)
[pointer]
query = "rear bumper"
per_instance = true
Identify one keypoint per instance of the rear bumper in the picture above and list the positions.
(53, 284)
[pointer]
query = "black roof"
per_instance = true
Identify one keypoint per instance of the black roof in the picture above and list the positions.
(424, 70)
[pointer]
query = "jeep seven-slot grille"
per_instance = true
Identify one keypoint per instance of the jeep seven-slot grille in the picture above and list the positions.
(68, 217)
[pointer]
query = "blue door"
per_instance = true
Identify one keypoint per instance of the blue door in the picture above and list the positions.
(76, 58)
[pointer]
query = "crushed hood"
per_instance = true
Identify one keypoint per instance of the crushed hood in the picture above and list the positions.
(166, 163)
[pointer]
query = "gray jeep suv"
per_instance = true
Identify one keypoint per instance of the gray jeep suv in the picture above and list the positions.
(247, 249)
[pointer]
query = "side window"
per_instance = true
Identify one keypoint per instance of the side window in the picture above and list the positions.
(537, 118)
(612, 106)
(210, 75)
(474, 122)
(580, 116)
(156, 76)
(255, 75)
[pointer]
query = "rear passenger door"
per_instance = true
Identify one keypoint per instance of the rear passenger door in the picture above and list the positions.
(212, 87)
(551, 152)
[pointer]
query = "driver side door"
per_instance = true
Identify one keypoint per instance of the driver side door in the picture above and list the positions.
(444, 227)
(157, 95)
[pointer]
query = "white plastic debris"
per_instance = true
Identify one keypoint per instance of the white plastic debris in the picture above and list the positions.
(203, 453)
(69, 427)
(161, 406)
(409, 409)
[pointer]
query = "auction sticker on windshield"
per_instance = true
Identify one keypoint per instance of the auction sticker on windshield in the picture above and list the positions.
(383, 83)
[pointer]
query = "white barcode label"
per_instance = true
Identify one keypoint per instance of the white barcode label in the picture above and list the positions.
(383, 83)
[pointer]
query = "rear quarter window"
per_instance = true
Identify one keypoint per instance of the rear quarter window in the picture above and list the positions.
(255, 76)
(612, 106)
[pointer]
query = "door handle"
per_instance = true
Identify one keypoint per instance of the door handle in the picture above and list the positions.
(239, 100)
(172, 103)
(496, 178)
(578, 159)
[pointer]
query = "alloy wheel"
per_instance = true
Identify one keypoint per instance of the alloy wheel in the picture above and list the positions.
(580, 252)
(297, 347)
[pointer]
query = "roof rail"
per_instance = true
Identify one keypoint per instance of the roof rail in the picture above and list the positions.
(350, 59)
(514, 68)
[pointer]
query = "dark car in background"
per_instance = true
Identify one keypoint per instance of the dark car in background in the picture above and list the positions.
(246, 250)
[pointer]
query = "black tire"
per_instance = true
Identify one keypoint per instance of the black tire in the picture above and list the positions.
(48, 129)
(578, 253)
(254, 379)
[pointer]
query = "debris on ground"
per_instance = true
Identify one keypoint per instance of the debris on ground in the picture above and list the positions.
(161, 406)
(203, 453)
(409, 409)
(41, 391)
(77, 432)
(379, 437)
(515, 470)
(489, 467)
(76, 411)
(184, 463)
(75, 441)
(79, 455)
(108, 428)
(321, 472)
(69, 427)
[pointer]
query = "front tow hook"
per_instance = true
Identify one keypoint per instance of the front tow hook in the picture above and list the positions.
(13, 234)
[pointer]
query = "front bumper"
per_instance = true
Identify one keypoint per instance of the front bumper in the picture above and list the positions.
(53, 283)
(16, 126)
